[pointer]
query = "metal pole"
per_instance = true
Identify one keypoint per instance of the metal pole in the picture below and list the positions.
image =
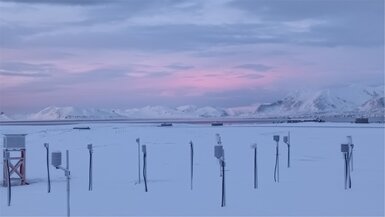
(192, 164)
(68, 182)
(276, 168)
(278, 161)
(351, 156)
(8, 178)
(255, 168)
(90, 171)
(46, 145)
(346, 170)
(145, 171)
(288, 156)
(288, 151)
(138, 142)
(223, 183)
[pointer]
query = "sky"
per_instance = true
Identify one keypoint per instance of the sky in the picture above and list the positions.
(224, 53)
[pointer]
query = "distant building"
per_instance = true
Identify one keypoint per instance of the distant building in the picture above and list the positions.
(166, 124)
(215, 124)
(362, 120)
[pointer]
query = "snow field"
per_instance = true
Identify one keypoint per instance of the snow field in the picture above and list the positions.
(314, 185)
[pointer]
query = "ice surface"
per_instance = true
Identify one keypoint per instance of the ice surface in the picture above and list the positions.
(313, 185)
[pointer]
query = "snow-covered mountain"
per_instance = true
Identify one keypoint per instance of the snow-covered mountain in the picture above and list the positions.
(209, 111)
(68, 113)
(4, 117)
(72, 113)
(205, 112)
(374, 105)
(148, 111)
(187, 111)
(351, 100)
(242, 111)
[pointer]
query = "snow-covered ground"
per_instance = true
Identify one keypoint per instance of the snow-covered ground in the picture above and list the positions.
(314, 185)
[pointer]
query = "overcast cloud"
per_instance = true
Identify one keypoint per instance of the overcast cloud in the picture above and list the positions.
(129, 53)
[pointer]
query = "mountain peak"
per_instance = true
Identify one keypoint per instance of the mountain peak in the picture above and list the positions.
(340, 100)
(349, 100)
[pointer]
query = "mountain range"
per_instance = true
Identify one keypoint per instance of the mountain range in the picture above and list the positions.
(353, 100)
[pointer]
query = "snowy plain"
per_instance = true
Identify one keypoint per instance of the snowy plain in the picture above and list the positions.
(312, 186)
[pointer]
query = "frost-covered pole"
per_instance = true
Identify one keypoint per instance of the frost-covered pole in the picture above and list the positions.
(348, 181)
(350, 142)
(288, 146)
(144, 166)
(46, 145)
(68, 182)
(345, 150)
(8, 175)
(223, 183)
(286, 139)
(56, 162)
(346, 171)
(254, 146)
(219, 143)
(138, 142)
(191, 164)
(219, 154)
(90, 149)
(276, 168)
(351, 156)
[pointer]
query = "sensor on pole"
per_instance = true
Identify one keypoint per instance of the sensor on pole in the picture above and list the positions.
(276, 138)
(219, 140)
(15, 143)
(345, 149)
(219, 154)
(218, 151)
(286, 140)
(56, 161)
